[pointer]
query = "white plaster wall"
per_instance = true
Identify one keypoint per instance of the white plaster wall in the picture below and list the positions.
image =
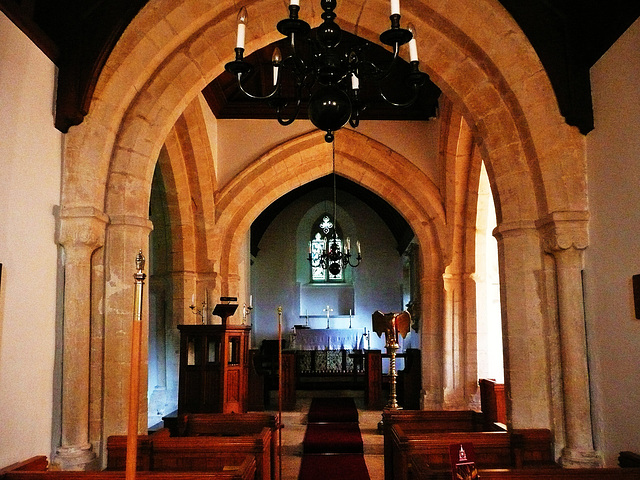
(30, 161)
(613, 256)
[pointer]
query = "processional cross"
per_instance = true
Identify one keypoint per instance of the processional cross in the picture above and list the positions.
(328, 310)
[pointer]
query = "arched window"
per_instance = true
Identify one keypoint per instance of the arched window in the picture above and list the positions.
(321, 238)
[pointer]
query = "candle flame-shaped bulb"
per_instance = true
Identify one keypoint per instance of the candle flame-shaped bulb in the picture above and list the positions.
(243, 17)
(276, 58)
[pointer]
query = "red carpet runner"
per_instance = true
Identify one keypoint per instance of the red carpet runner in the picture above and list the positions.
(332, 446)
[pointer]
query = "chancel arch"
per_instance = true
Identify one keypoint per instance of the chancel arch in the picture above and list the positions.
(482, 62)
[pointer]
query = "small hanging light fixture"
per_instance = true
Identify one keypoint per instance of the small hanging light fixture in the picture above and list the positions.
(334, 257)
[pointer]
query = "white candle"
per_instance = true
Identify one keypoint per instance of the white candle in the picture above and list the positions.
(251, 301)
(193, 299)
(413, 50)
(413, 47)
(355, 82)
(395, 7)
(276, 59)
(242, 25)
(358, 247)
(295, 2)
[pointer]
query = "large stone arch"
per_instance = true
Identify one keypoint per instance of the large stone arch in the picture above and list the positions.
(507, 98)
(307, 158)
(373, 166)
(474, 52)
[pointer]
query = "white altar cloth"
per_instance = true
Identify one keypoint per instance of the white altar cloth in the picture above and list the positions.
(328, 339)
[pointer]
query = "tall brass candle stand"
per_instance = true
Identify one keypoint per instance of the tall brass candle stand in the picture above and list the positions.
(392, 325)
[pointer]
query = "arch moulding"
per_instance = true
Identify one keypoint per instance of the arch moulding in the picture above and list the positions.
(474, 52)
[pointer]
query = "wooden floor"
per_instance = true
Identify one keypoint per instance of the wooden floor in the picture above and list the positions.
(296, 424)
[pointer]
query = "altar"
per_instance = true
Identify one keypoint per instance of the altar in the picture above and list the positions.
(329, 339)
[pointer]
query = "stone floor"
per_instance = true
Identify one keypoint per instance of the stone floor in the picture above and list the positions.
(295, 425)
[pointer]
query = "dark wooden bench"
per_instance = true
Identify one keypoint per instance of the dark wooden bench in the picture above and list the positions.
(117, 451)
(228, 424)
(429, 421)
(200, 453)
(420, 470)
(498, 449)
(229, 468)
(229, 432)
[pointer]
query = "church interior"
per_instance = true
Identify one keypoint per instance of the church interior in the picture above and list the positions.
(459, 271)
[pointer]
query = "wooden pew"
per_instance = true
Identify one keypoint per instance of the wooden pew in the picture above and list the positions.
(208, 424)
(429, 421)
(493, 400)
(212, 424)
(200, 453)
(498, 449)
(420, 470)
(628, 459)
(201, 438)
(117, 451)
(204, 452)
(492, 449)
(231, 468)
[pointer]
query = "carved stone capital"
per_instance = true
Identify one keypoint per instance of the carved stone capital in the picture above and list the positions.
(561, 231)
(82, 227)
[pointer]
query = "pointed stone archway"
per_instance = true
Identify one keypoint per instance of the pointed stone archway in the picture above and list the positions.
(482, 62)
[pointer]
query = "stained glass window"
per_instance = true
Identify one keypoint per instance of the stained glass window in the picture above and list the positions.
(318, 244)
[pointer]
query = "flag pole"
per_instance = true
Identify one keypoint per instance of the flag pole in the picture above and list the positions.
(134, 380)
(280, 392)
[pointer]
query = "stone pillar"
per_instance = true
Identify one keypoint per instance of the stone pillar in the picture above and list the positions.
(126, 236)
(431, 335)
(525, 326)
(81, 231)
(566, 238)
(460, 342)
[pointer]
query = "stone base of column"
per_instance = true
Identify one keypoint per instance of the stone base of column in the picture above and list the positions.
(430, 401)
(76, 458)
(575, 458)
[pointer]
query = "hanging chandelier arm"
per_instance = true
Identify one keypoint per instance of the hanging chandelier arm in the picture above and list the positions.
(411, 101)
(290, 120)
(280, 104)
(257, 97)
(416, 79)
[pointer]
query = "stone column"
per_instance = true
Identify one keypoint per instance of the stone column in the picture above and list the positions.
(460, 342)
(126, 236)
(525, 326)
(81, 231)
(431, 332)
(566, 238)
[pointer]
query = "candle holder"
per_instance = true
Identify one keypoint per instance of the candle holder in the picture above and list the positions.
(202, 312)
(246, 311)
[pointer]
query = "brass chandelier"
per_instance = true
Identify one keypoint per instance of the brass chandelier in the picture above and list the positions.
(326, 74)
